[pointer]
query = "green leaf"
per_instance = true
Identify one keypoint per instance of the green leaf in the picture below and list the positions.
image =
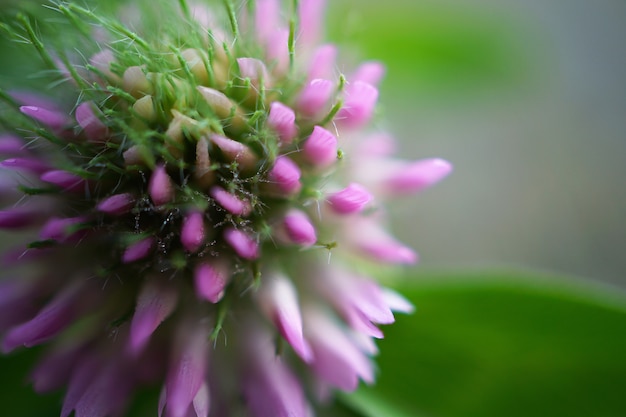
(502, 344)
(17, 396)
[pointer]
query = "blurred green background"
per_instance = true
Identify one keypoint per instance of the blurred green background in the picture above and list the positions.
(528, 100)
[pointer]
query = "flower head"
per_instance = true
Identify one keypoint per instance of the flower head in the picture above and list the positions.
(190, 183)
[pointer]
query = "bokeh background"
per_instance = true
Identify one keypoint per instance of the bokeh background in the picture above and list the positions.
(528, 100)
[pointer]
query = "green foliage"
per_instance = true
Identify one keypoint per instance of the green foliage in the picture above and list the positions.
(502, 344)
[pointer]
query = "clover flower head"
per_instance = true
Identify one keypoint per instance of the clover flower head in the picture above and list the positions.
(189, 207)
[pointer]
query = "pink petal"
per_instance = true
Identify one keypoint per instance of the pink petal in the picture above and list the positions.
(230, 202)
(193, 231)
(210, 279)
(186, 374)
(299, 228)
(320, 149)
(278, 51)
(418, 175)
(66, 180)
(235, 151)
(56, 120)
(285, 175)
(369, 72)
(310, 18)
(350, 200)
(12, 145)
(282, 120)
(255, 70)
(107, 391)
(315, 96)
(55, 369)
(90, 121)
(377, 145)
(270, 388)
(154, 304)
(18, 218)
(82, 375)
(243, 244)
(33, 99)
(323, 62)
(18, 302)
(279, 301)
(359, 104)
(202, 401)
(32, 165)
(397, 302)
(117, 204)
(337, 361)
(372, 241)
(160, 188)
(138, 250)
(60, 229)
(53, 318)
(267, 18)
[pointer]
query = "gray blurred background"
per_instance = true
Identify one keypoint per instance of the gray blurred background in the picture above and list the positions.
(528, 100)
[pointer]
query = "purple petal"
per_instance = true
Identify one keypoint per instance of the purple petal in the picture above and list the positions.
(230, 202)
(138, 250)
(350, 200)
(235, 151)
(60, 229)
(193, 231)
(117, 204)
(32, 165)
(371, 240)
(243, 244)
(279, 301)
(82, 375)
(337, 361)
(397, 302)
(161, 188)
(18, 218)
(154, 304)
(299, 228)
(202, 401)
(270, 388)
(66, 180)
(323, 62)
(267, 18)
(187, 371)
(370, 72)
(12, 145)
(359, 104)
(56, 120)
(277, 51)
(285, 176)
(310, 18)
(315, 96)
(282, 120)
(107, 392)
(320, 149)
(418, 175)
(210, 279)
(17, 302)
(254, 70)
(91, 123)
(32, 99)
(53, 318)
(55, 369)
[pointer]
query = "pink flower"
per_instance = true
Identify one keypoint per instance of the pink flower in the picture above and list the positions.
(180, 215)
